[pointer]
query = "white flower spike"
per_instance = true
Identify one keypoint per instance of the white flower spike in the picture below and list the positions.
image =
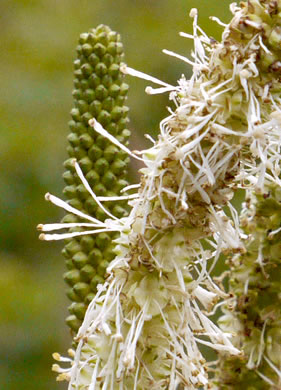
(143, 328)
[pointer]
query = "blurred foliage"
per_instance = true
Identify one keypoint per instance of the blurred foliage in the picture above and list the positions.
(38, 40)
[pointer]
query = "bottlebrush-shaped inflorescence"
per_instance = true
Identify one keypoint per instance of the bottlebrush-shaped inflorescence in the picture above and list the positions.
(143, 327)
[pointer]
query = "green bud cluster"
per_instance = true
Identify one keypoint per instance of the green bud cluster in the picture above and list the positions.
(99, 92)
(255, 317)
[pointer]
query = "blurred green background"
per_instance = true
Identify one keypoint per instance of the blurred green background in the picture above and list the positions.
(38, 39)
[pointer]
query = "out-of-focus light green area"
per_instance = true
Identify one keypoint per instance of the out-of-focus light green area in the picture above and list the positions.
(38, 39)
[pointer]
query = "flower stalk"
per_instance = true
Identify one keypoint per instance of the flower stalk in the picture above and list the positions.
(143, 328)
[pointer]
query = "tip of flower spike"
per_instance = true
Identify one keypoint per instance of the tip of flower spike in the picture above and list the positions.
(193, 12)
(39, 227)
(42, 237)
(47, 196)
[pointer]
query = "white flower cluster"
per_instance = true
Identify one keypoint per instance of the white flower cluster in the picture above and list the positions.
(142, 329)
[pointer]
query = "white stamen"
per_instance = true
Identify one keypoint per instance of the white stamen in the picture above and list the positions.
(263, 45)
(265, 378)
(274, 368)
(94, 376)
(182, 58)
(60, 203)
(218, 21)
(99, 129)
(57, 226)
(88, 188)
(273, 232)
(156, 91)
(204, 39)
(59, 358)
(117, 198)
(63, 236)
(130, 187)
(126, 70)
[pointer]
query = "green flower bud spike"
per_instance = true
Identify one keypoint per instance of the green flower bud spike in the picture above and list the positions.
(99, 93)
